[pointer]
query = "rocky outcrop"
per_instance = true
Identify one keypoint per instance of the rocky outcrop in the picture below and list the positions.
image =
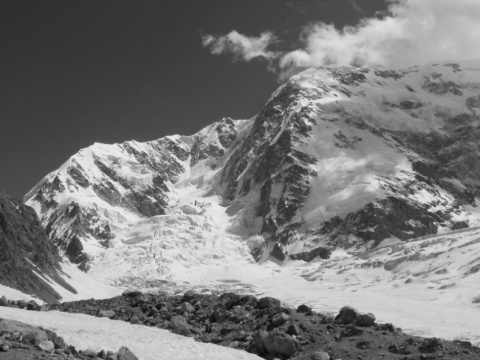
(26, 252)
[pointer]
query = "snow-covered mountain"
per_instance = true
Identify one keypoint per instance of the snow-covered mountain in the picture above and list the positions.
(338, 157)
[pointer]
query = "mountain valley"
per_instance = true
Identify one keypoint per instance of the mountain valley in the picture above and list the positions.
(351, 186)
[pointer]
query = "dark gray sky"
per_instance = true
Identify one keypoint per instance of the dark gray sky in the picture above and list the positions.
(77, 72)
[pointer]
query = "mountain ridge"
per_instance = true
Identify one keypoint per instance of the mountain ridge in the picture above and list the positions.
(338, 157)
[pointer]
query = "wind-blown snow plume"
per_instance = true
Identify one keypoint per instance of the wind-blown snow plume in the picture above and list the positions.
(413, 32)
(242, 47)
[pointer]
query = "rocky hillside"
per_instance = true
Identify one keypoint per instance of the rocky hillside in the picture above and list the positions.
(269, 329)
(338, 156)
(28, 260)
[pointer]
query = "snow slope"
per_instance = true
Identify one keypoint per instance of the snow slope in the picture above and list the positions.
(148, 343)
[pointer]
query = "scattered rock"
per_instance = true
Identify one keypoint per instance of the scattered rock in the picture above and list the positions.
(347, 315)
(189, 295)
(125, 354)
(89, 353)
(107, 313)
(430, 345)
(131, 293)
(32, 305)
(46, 346)
(280, 319)
(366, 319)
(293, 329)
(277, 343)
(268, 302)
(304, 309)
(320, 355)
(264, 327)
(102, 354)
(180, 326)
(187, 307)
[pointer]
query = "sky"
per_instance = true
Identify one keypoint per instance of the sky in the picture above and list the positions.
(77, 72)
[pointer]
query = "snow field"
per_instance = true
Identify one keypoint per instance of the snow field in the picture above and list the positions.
(148, 343)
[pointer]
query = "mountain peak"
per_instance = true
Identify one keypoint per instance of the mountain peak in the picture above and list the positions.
(338, 156)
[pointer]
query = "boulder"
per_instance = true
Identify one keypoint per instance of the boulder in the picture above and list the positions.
(138, 313)
(260, 338)
(144, 299)
(366, 320)
(231, 299)
(58, 341)
(107, 313)
(46, 346)
(102, 354)
(268, 302)
(280, 344)
(3, 301)
(187, 308)
(320, 355)
(180, 326)
(189, 295)
(134, 320)
(248, 300)
(32, 305)
(131, 293)
(280, 319)
(293, 329)
(304, 309)
(125, 354)
(89, 353)
(430, 345)
(347, 315)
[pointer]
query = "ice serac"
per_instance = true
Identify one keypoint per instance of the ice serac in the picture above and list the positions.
(29, 262)
(104, 189)
(338, 156)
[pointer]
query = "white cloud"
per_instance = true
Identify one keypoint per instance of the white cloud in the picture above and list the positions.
(242, 47)
(414, 32)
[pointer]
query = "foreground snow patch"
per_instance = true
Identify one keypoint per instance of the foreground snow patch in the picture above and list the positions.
(87, 332)
(13, 294)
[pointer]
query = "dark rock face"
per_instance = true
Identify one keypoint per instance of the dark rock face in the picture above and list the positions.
(207, 146)
(22, 239)
(270, 163)
(391, 216)
(320, 252)
(75, 254)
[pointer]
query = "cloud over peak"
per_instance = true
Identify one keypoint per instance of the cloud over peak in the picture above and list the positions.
(241, 47)
(413, 32)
